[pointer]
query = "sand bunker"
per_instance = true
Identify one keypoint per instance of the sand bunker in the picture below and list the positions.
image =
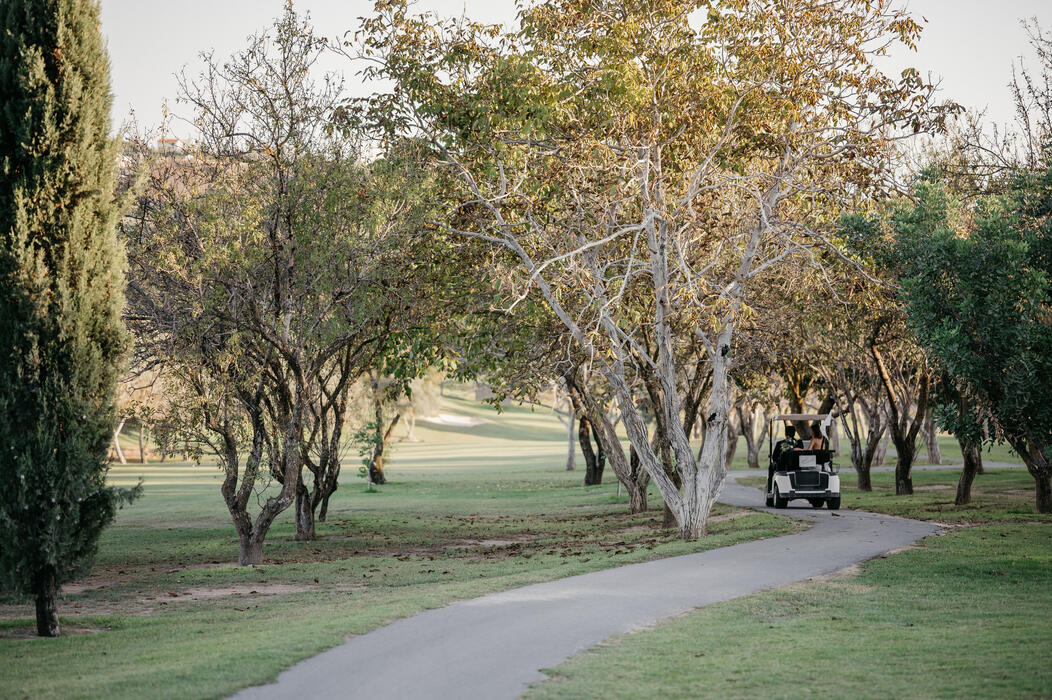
(454, 419)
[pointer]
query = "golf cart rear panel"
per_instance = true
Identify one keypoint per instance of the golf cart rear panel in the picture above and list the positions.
(803, 474)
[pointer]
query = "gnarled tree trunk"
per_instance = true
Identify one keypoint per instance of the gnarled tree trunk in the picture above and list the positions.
(571, 451)
(747, 419)
(903, 429)
(1034, 457)
(931, 439)
(594, 459)
(973, 460)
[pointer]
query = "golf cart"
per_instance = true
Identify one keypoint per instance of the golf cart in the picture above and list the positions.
(808, 474)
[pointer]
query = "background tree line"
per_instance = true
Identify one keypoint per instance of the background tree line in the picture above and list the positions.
(678, 231)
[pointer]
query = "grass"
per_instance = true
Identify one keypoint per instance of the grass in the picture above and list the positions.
(468, 511)
(997, 495)
(964, 614)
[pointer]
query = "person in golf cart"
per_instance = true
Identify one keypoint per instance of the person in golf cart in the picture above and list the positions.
(787, 444)
(818, 440)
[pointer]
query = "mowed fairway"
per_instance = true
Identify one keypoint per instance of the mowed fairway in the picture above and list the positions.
(961, 615)
(469, 510)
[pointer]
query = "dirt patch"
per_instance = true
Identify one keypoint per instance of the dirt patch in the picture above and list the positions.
(730, 516)
(143, 604)
(30, 632)
(483, 544)
(208, 565)
(848, 572)
(83, 586)
(210, 592)
(935, 487)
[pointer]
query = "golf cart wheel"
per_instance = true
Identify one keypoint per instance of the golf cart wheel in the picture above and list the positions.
(816, 502)
(833, 503)
(779, 502)
(769, 501)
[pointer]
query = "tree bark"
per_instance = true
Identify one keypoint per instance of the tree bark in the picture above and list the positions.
(864, 452)
(1043, 492)
(865, 481)
(931, 439)
(733, 430)
(600, 463)
(634, 478)
(903, 474)
(47, 604)
(571, 451)
(305, 530)
(142, 447)
(1033, 456)
(973, 460)
(747, 418)
(376, 466)
(591, 460)
(882, 450)
(117, 442)
(903, 430)
(637, 497)
(251, 551)
(323, 510)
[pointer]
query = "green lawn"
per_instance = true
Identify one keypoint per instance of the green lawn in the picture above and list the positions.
(468, 511)
(997, 495)
(964, 614)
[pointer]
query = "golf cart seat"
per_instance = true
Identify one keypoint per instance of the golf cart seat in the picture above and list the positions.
(794, 460)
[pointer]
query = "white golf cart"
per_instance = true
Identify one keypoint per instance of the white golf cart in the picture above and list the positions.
(809, 474)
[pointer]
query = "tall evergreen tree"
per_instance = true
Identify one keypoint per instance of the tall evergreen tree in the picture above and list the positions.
(61, 295)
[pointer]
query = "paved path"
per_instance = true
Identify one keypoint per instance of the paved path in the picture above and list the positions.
(493, 647)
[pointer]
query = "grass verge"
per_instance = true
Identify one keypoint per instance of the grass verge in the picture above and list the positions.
(468, 511)
(963, 614)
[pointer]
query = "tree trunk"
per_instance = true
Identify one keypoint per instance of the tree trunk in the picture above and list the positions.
(903, 430)
(571, 451)
(1037, 463)
(142, 447)
(1043, 492)
(903, 470)
(864, 453)
(733, 430)
(590, 459)
(376, 466)
(931, 440)
(973, 460)
(703, 488)
(747, 418)
(47, 605)
(600, 463)
(251, 551)
(882, 450)
(304, 514)
(117, 442)
(637, 497)
(323, 511)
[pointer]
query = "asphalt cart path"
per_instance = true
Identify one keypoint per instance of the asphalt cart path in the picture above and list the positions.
(494, 646)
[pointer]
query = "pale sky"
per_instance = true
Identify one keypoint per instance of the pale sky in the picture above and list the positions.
(970, 44)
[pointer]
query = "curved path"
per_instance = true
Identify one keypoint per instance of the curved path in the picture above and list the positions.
(495, 646)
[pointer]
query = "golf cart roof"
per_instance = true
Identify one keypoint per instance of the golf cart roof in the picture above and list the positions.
(801, 416)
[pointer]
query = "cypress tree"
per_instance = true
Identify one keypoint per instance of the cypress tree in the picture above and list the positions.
(61, 296)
